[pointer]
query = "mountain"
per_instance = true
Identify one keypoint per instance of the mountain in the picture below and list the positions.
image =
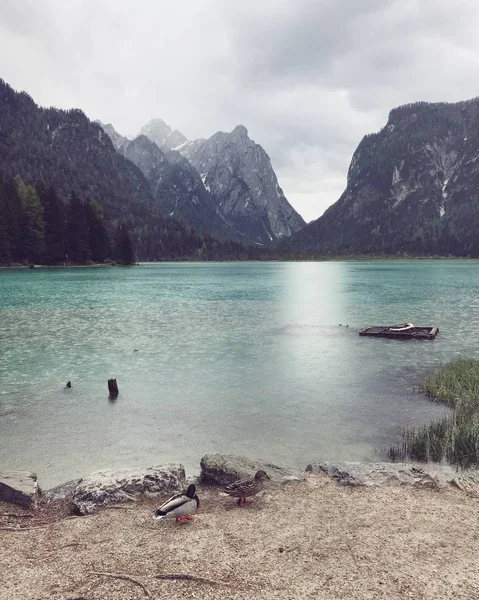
(176, 186)
(238, 181)
(120, 142)
(238, 174)
(65, 150)
(160, 133)
(412, 187)
(224, 185)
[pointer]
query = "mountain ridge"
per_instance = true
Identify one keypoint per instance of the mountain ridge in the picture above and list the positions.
(237, 176)
(411, 187)
(67, 151)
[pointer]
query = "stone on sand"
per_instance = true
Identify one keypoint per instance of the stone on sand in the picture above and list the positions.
(378, 474)
(223, 469)
(112, 487)
(19, 487)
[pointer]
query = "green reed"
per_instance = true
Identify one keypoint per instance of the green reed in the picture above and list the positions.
(453, 438)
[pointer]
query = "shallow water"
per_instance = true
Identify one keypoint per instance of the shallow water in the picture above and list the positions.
(227, 357)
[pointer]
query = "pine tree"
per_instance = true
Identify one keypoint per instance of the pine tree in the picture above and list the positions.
(5, 246)
(78, 245)
(32, 234)
(98, 236)
(123, 247)
(13, 219)
(55, 234)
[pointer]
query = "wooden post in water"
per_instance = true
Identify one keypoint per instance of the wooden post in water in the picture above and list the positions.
(113, 388)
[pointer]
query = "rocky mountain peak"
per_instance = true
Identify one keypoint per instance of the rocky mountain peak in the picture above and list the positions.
(118, 140)
(157, 130)
(240, 178)
(240, 134)
(225, 184)
(175, 140)
(162, 135)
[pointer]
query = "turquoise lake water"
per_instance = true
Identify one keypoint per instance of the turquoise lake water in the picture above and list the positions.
(241, 358)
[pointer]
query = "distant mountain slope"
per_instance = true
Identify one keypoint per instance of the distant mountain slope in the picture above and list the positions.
(238, 174)
(175, 184)
(177, 187)
(66, 150)
(412, 187)
(238, 177)
(161, 133)
(120, 142)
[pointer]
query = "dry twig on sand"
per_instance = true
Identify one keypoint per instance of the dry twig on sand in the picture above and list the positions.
(71, 545)
(125, 578)
(185, 577)
(24, 528)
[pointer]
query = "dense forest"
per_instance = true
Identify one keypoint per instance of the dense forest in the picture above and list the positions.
(37, 227)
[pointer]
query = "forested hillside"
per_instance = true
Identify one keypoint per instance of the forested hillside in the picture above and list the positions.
(412, 188)
(64, 150)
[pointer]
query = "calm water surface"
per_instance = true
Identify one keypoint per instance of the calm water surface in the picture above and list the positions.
(231, 357)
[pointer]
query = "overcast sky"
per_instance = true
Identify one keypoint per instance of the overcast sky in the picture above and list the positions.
(308, 78)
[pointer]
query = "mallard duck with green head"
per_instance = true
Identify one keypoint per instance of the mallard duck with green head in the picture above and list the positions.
(180, 506)
(249, 486)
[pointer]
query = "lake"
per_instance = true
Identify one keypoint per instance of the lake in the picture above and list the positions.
(244, 358)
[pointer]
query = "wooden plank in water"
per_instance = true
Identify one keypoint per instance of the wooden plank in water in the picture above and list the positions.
(417, 333)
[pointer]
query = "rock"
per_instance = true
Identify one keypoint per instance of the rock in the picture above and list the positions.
(377, 474)
(64, 491)
(467, 481)
(112, 487)
(431, 475)
(19, 487)
(222, 469)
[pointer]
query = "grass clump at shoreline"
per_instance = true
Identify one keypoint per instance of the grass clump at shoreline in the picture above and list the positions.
(455, 384)
(453, 438)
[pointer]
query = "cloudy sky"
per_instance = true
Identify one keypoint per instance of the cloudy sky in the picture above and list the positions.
(308, 78)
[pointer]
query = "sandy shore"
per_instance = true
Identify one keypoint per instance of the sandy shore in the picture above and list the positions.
(312, 540)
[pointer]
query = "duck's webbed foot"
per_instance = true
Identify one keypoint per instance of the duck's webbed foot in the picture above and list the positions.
(182, 520)
(242, 500)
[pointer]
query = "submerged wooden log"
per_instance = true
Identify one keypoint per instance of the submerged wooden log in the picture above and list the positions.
(113, 388)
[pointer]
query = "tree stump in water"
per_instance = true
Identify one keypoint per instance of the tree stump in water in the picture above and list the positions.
(113, 388)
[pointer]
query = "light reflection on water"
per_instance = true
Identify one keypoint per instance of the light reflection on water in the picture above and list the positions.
(232, 357)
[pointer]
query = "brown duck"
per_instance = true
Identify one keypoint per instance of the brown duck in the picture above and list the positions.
(249, 486)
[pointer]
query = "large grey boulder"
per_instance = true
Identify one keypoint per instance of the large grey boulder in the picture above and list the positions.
(377, 474)
(64, 491)
(112, 487)
(19, 487)
(223, 469)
